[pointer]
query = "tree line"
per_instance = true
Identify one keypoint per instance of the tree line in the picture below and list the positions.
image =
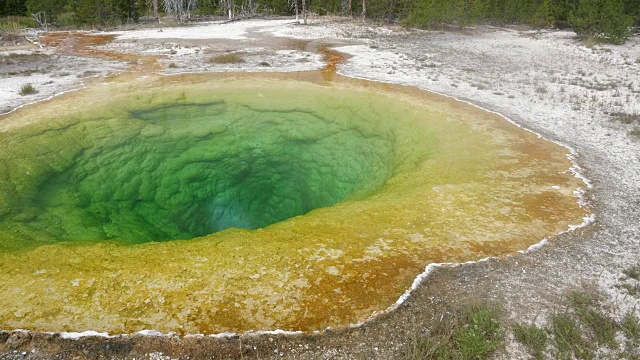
(608, 19)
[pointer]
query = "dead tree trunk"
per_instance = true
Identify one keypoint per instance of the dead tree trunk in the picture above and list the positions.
(294, 3)
(180, 9)
(41, 19)
(155, 10)
(304, 12)
(349, 12)
(227, 7)
(192, 5)
(364, 9)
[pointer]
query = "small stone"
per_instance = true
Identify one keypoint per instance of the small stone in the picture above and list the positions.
(18, 339)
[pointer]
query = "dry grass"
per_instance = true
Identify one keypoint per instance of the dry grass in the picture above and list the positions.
(230, 58)
(626, 118)
(591, 41)
(11, 31)
(20, 59)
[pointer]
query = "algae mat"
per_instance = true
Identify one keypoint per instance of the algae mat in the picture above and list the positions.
(216, 203)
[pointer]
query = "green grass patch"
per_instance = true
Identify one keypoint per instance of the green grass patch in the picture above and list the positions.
(27, 89)
(533, 338)
(631, 327)
(568, 338)
(582, 299)
(582, 330)
(231, 58)
(438, 343)
(472, 332)
(482, 334)
(586, 305)
(601, 326)
(633, 290)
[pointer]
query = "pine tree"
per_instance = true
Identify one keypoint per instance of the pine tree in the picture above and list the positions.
(561, 10)
(632, 8)
(12, 7)
(477, 9)
(615, 24)
(512, 9)
(127, 11)
(544, 15)
(51, 8)
(604, 19)
(586, 18)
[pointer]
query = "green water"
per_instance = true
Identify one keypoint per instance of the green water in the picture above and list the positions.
(184, 170)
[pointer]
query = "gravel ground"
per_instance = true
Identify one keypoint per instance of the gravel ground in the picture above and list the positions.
(547, 82)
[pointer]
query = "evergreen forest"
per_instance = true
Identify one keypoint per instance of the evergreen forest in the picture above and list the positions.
(610, 20)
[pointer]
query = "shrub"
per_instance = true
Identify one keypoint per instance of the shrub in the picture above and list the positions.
(230, 58)
(27, 89)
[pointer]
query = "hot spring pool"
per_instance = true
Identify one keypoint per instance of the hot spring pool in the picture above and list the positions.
(212, 203)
